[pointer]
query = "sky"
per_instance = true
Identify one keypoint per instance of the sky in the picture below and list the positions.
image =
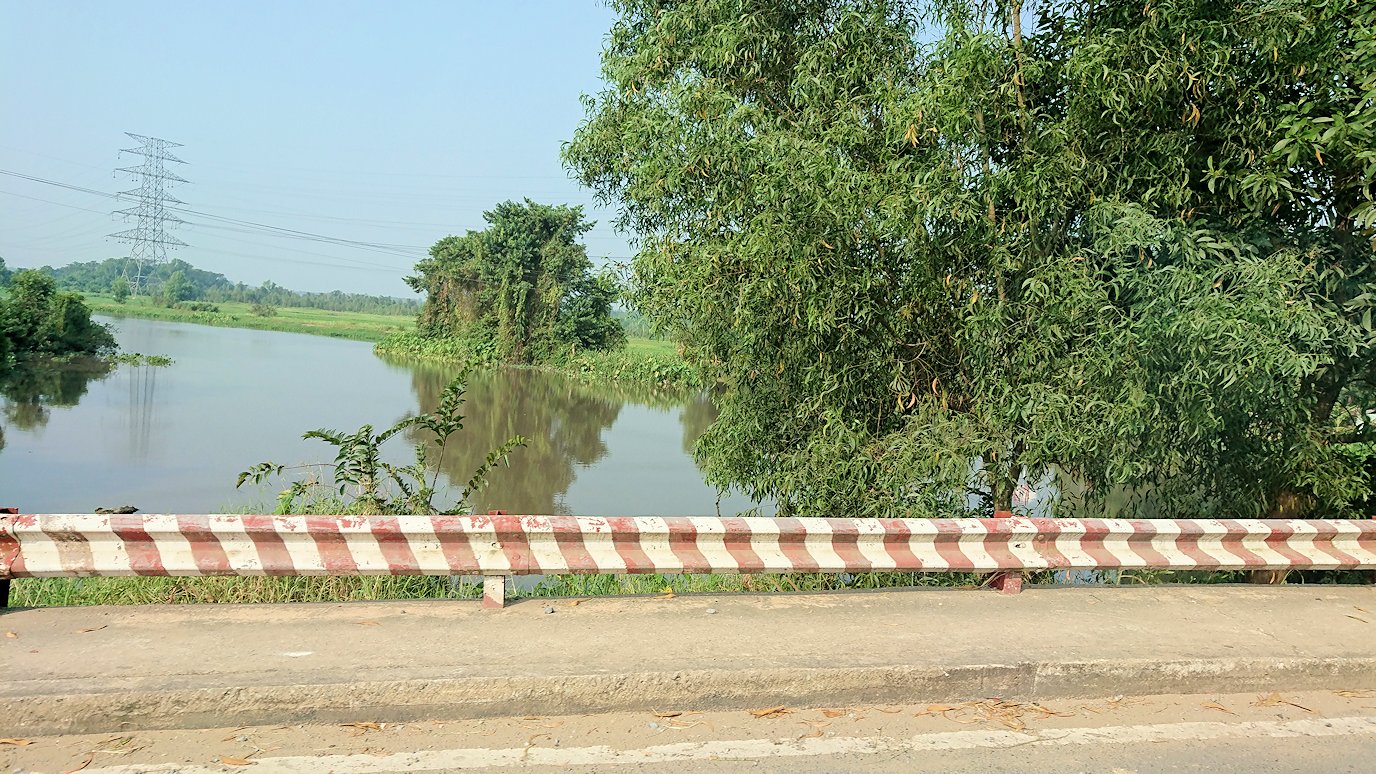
(391, 123)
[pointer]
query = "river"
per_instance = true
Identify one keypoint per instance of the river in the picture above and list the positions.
(174, 438)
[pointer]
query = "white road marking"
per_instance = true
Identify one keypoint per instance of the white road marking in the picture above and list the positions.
(754, 749)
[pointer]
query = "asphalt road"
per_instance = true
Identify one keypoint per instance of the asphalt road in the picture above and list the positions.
(1328, 731)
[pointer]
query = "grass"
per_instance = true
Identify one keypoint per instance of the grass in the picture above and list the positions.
(55, 592)
(51, 592)
(642, 361)
(647, 362)
(361, 326)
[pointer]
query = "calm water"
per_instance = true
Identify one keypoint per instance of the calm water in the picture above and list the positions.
(174, 439)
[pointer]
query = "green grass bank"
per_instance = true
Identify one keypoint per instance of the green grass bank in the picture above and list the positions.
(642, 361)
(360, 326)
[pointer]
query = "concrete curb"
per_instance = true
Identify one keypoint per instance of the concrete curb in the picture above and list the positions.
(40, 713)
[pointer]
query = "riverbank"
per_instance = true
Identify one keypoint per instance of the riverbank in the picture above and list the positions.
(642, 361)
(359, 326)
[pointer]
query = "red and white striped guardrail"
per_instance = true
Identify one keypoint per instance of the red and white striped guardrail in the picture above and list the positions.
(495, 546)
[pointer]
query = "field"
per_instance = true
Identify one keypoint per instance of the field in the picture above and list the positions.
(361, 326)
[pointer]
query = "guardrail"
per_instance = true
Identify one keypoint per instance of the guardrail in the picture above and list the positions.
(499, 545)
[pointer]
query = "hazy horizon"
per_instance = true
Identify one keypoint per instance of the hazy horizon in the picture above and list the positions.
(393, 126)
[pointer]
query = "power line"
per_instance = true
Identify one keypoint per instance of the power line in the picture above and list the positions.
(151, 211)
(405, 251)
(200, 219)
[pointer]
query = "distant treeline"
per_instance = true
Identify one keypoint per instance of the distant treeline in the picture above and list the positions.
(202, 285)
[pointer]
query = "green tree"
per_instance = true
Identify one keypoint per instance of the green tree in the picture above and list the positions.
(36, 319)
(5, 274)
(524, 284)
(177, 288)
(120, 289)
(932, 247)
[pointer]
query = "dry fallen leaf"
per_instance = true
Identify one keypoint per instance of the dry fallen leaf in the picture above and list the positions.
(1355, 618)
(17, 742)
(114, 745)
(817, 726)
(1364, 694)
(1213, 705)
(936, 709)
(93, 629)
(230, 760)
(833, 713)
(367, 726)
(1273, 699)
(575, 603)
(772, 712)
(11, 635)
(367, 623)
(668, 714)
(81, 765)
(532, 717)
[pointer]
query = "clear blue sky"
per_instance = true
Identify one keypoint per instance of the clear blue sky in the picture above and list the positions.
(384, 122)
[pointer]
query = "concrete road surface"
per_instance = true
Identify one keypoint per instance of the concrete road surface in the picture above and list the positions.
(91, 670)
(1318, 731)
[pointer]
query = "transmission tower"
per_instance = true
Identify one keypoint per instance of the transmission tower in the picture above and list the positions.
(151, 212)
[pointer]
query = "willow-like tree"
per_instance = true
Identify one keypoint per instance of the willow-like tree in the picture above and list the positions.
(934, 247)
(524, 286)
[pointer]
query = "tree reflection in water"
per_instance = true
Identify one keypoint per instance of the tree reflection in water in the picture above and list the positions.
(563, 420)
(31, 389)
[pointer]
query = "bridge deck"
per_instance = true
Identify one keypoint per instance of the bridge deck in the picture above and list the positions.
(118, 668)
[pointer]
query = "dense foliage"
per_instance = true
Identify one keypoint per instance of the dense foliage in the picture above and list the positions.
(38, 320)
(201, 285)
(522, 288)
(932, 247)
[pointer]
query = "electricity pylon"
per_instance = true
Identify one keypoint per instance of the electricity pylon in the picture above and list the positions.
(151, 212)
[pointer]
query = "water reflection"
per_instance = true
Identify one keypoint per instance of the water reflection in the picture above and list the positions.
(30, 390)
(172, 439)
(143, 391)
(565, 424)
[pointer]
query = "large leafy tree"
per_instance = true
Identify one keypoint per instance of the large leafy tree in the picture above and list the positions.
(936, 247)
(524, 284)
(37, 319)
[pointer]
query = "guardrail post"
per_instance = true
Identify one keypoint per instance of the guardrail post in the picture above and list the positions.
(494, 591)
(494, 586)
(5, 582)
(1005, 581)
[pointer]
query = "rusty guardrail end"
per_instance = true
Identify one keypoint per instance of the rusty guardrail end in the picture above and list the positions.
(5, 566)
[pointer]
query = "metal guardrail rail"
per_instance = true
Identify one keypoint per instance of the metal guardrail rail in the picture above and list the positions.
(499, 545)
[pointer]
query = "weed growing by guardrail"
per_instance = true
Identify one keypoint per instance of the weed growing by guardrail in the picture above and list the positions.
(376, 486)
